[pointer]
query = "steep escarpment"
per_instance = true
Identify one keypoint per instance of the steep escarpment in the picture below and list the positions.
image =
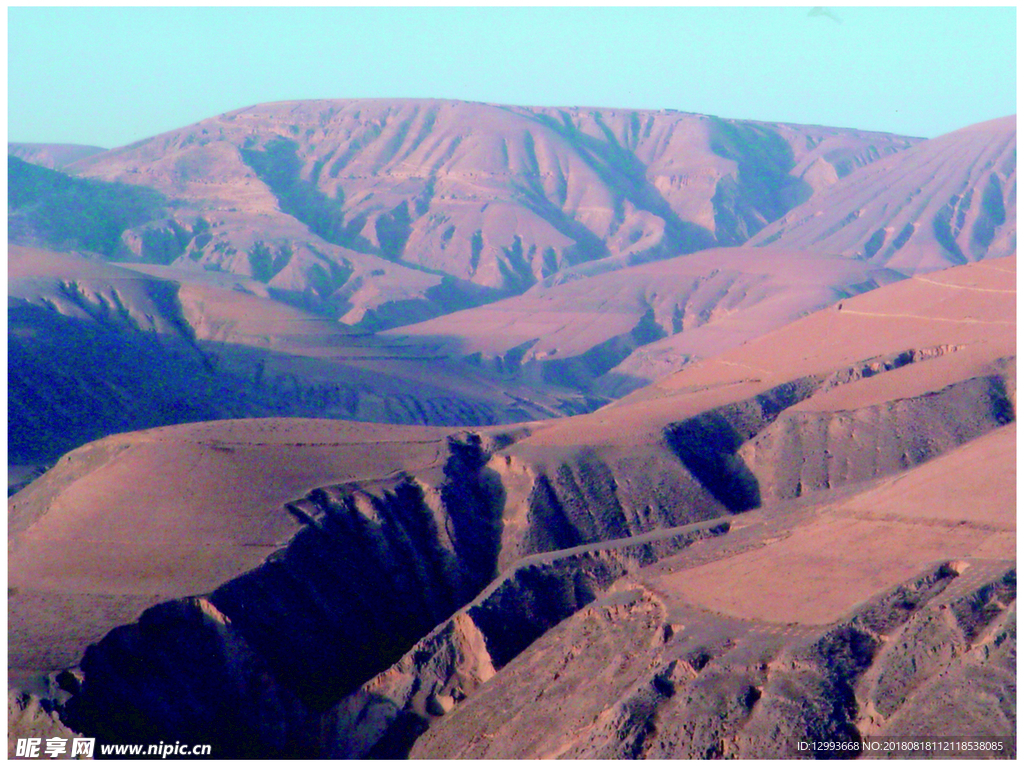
(708, 443)
(372, 569)
(780, 445)
(594, 497)
(809, 450)
(389, 712)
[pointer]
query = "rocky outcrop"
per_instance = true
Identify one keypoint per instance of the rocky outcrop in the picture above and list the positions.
(768, 448)
(620, 680)
(28, 716)
(807, 451)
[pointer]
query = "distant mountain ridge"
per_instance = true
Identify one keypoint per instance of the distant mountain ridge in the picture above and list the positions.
(947, 201)
(943, 202)
(496, 242)
(383, 212)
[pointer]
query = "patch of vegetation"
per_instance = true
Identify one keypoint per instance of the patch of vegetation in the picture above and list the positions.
(165, 245)
(266, 263)
(393, 231)
(65, 213)
(762, 190)
(993, 213)
(279, 167)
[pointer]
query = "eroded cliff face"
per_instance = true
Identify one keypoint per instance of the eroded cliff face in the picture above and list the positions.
(372, 570)
(385, 716)
(768, 447)
(252, 666)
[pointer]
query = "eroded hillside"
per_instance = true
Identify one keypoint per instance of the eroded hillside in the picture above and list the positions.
(386, 212)
(99, 348)
(947, 201)
(647, 578)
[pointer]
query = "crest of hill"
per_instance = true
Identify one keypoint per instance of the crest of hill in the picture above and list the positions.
(947, 201)
(53, 156)
(315, 197)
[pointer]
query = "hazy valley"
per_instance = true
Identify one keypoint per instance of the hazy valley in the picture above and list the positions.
(383, 428)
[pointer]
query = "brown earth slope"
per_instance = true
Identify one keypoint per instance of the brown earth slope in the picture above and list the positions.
(667, 313)
(846, 441)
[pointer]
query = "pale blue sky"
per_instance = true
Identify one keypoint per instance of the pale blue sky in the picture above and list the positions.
(110, 76)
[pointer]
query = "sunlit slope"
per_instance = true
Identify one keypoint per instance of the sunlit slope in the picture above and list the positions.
(161, 514)
(947, 201)
(627, 327)
(961, 319)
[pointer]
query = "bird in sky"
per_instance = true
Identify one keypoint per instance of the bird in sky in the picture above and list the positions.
(819, 11)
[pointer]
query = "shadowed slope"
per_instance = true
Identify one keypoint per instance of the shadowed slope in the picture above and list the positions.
(97, 348)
